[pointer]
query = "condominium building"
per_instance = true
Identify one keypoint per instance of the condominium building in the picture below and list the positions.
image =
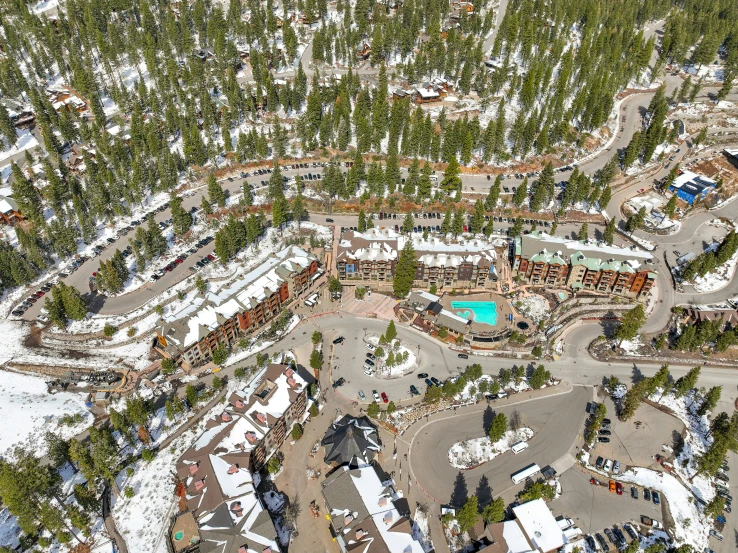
(221, 509)
(239, 307)
(373, 255)
(548, 260)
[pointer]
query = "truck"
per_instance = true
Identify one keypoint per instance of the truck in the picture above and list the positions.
(647, 521)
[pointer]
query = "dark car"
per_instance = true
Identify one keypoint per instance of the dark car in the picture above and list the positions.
(413, 390)
(646, 494)
(611, 537)
(605, 432)
(435, 381)
(423, 375)
(634, 492)
(338, 340)
(328, 220)
(606, 421)
(602, 541)
(369, 362)
(340, 382)
(370, 356)
(599, 462)
(590, 540)
(463, 356)
(603, 439)
(619, 536)
(428, 382)
(632, 533)
(656, 499)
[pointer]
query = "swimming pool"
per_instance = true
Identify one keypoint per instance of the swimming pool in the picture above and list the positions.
(479, 311)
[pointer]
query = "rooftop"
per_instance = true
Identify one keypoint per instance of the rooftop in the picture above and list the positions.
(539, 525)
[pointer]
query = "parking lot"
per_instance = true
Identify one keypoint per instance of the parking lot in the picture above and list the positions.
(594, 508)
(638, 440)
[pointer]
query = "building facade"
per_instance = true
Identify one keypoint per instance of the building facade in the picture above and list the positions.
(546, 260)
(190, 335)
(372, 256)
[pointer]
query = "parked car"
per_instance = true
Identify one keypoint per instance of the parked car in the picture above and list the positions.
(602, 542)
(613, 487)
(619, 488)
(340, 382)
(423, 375)
(603, 439)
(646, 494)
(631, 532)
(376, 396)
(435, 381)
(605, 432)
(429, 383)
(715, 534)
(463, 356)
(600, 461)
(338, 340)
(362, 396)
(590, 540)
(608, 465)
(369, 362)
(385, 398)
(370, 347)
(634, 492)
(655, 496)
(413, 390)
(370, 356)
(616, 467)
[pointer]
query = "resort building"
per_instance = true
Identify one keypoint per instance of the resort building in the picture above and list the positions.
(350, 441)
(222, 509)
(372, 256)
(552, 261)
(190, 335)
(432, 316)
(366, 513)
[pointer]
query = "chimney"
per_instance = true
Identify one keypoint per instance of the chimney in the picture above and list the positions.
(360, 533)
(261, 418)
(242, 549)
(225, 417)
(193, 468)
(239, 404)
(289, 372)
(347, 520)
(233, 469)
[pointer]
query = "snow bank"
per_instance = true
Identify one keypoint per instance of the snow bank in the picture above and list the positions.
(718, 279)
(472, 453)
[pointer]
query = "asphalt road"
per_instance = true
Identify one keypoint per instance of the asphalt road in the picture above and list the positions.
(555, 420)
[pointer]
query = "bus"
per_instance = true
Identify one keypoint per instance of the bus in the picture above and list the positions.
(518, 447)
(526, 473)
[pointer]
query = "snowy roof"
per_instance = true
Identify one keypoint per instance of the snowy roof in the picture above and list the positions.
(359, 501)
(540, 525)
(693, 182)
(198, 318)
(7, 205)
(515, 538)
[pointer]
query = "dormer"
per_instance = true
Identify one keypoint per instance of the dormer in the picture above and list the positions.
(292, 382)
(242, 549)
(193, 468)
(347, 519)
(261, 417)
(289, 372)
(239, 404)
(387, 517)
(233, 469)
(251, 437)
(360, 533)
(383, 501)
(199, 485)
(225, 417)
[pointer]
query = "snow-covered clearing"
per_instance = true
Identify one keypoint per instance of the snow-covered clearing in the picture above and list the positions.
(28, 411)
(408, 360)
(26, 141)
(534, 307)
(632, 346)
(471, 453)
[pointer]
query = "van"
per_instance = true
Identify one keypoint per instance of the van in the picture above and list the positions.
(518, 447)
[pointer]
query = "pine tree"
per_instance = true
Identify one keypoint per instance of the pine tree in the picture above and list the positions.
(497, 427)
(521, 194)
(181, 219)
(458, 224)
(609, 234)
(710, 400)
(490, 203)
(299, 210)
(405, 271)
(688, 382)
(216, 195)
(477, 221)
(361, 227)
(446, 225)
(7, 129)
(583, 232)
(451, 182)
(670, 208)
(517, 227)
(630, 323)
(408, 223)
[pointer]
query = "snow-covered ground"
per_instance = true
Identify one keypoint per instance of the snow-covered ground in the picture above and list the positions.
(26, 141)
(534, 307)
(718, 279)
(632, 346)
(474, 452)
(399, 369)
(28, 411)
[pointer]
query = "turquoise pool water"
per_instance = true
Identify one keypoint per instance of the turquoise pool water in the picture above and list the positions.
(480, 311)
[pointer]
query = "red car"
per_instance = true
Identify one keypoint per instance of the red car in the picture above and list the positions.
(619, 488)
(177, 261)
(211, 257)
(39, 294)
(385, 398)
(32, 299)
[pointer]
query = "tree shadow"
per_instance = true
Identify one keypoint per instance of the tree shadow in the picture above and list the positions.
(636, 375)
(460, 493)
(598, 234)
(609, 324)
(483, 493)
(677, 442)
(487, 417)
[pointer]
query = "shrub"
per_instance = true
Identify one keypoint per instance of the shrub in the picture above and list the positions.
(239, 373)
(314, 410)
(296, 432)
(109, 330)
(130, 472)
(128, 492)
(132, 331)
(273, 465)
(168, 366)
(442, 332)
(373, 410)
(148, 455)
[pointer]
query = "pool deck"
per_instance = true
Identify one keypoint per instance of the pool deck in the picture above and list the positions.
(503, 309)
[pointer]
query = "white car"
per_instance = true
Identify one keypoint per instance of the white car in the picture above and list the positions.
(370, 347)
(616, 467)
(608, 466)
(376, 396)
(368, 370)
